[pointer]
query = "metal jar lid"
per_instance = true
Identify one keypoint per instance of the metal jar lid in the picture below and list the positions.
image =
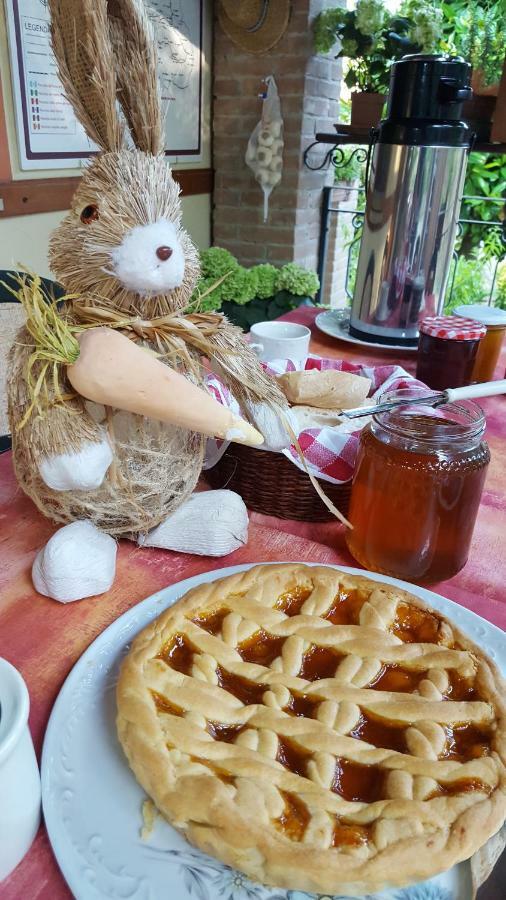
(452, 328)
(487, 315)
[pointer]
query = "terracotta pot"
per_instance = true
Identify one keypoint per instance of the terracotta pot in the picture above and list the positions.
(480, 89)
(366, 109)
(478, 114)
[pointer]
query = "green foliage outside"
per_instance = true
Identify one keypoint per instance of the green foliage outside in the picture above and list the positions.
(371, 38)
(500, 297)
(476, 32)
(251, 295)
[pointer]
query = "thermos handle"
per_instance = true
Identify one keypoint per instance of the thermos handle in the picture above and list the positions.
(373, 137)
(472, 391)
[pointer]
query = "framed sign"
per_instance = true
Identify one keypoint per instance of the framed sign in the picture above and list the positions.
(49, 135)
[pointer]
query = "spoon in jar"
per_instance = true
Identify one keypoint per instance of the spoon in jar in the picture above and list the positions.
(436, 398)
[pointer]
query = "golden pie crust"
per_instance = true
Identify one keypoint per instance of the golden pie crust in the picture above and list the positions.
(316, 730)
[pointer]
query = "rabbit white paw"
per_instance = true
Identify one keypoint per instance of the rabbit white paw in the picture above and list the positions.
(211, 523)
(81, 471)
(78, 561)
(270, 422)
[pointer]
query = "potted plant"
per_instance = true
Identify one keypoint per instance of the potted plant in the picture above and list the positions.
(249, 295)
(371, 39)
(476, 32)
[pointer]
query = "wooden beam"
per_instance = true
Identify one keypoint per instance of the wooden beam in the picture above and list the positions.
(5, 163)
(499, 120)
(38, 195)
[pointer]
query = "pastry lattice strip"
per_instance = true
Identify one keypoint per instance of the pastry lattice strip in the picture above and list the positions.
(311, 747)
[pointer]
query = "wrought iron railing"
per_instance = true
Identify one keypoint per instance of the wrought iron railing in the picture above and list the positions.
(355, 218)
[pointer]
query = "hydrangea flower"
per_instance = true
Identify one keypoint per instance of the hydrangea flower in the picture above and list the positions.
(299, 281)
(370, 16)
(267, 278)
(216, 261)
(427, 24)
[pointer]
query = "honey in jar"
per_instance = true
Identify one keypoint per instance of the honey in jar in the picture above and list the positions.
(417, 488)
(489, 348)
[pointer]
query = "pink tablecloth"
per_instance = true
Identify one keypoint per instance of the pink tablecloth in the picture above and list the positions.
(44, 639)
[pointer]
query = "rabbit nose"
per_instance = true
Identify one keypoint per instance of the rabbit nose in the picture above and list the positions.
(164, 253)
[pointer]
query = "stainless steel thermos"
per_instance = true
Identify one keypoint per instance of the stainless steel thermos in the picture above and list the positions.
(415, 185)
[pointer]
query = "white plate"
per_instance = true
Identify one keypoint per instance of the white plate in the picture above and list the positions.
(336, 323)
(92, 802)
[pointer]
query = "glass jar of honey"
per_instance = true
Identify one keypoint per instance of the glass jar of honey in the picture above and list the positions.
(447, 349)
(416, 490)
(494, 320)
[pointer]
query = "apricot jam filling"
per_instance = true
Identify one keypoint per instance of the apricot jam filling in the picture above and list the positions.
(346, 607)
(261, 648)
(226, 777)
(358, 783)
(460, 688)
(467, 741)
(383, 733)
(295, 817)
(414, 625)
(221, 732)
(292, 756)
(248, 692)
(211, 622)
(349, 834)
(302, 705)
(178, 654)
(165, 706)
(319, 662)
(292, 601)
(396, 678)
(461, 786)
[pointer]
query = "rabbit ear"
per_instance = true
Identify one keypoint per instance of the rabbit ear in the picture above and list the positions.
(83, 50)
(136, 68)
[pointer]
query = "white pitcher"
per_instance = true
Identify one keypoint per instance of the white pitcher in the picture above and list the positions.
(19, 773)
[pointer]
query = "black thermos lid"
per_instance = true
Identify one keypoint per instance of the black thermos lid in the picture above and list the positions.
(425, 101)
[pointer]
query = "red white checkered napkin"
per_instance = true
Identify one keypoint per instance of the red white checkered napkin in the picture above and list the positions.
(330, 454)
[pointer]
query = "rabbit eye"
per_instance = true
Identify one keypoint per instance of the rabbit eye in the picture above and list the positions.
(89, 214)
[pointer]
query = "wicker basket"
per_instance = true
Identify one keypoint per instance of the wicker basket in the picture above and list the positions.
(269, 483)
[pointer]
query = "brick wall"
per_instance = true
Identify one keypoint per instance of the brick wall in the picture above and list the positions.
(309, 89)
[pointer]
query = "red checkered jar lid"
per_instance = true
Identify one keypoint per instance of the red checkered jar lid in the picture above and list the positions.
(452, 328)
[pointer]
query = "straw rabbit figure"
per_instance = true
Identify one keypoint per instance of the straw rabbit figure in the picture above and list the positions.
(121, 253)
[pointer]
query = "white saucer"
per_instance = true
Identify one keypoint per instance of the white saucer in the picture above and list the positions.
(336, 323)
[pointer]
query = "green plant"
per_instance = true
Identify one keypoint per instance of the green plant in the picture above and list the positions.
(249, 295)
(485, 180)
(476, 32)
(216, 261)
(297, 280)
(471, 283)
(500, 285)
(371, 38)
(353, 169)
(267, 277)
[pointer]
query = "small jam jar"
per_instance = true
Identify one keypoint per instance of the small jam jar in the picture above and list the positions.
(447, 350)
(417, 488)
(494, 320)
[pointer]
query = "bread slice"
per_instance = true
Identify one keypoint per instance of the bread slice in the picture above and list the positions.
(328, 389)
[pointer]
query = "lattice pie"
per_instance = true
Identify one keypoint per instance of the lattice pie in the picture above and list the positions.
(318, 731)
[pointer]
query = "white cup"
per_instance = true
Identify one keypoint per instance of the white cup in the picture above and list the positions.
(280, 340)
(19, 773)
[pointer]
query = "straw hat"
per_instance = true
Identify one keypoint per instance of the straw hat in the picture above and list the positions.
(254, 25)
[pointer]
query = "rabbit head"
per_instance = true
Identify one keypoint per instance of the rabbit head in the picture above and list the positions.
(122, 241)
